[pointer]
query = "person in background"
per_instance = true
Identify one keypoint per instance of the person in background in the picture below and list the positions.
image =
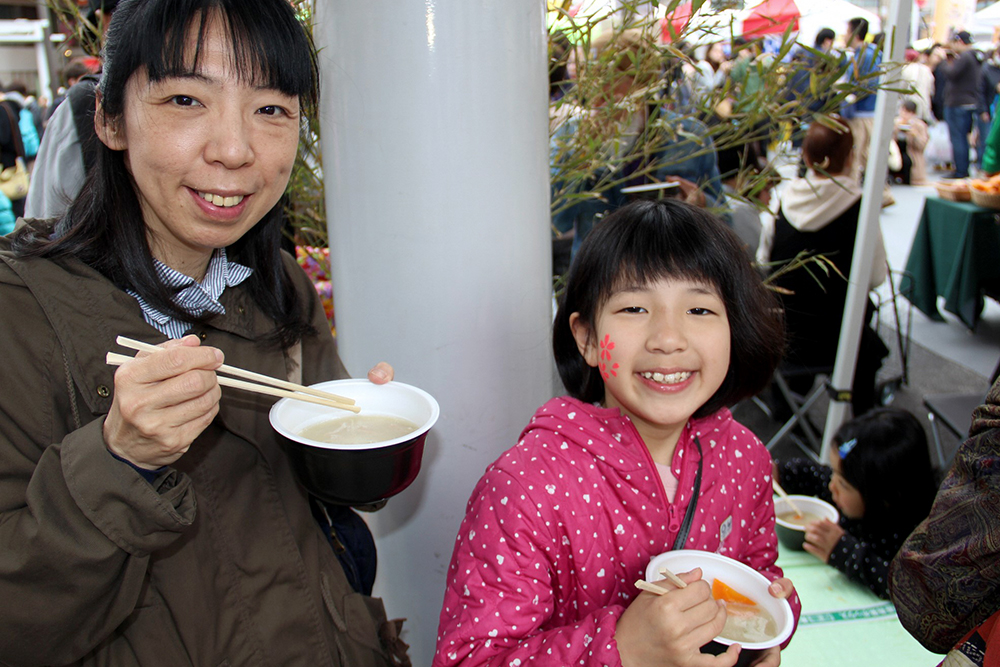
(7, 218)
(713, 70)
(11, 143)
(945, 580)
(911, 136)
(805, 66)
(962, 98)
(881, 480)
(819, 214)
(637, 140)
(16, 94)
(746, 193)
(919, 76)
(71, 75)
(68, 150)
(859, 112)
(989, 89)
(663, 324)
(146, 516)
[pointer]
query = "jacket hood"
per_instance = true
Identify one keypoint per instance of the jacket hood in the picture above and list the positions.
(598, 430)
(811, 202)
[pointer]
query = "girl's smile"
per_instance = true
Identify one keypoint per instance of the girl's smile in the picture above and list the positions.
(663, 351)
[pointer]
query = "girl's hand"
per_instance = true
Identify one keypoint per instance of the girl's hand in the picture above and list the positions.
(669, 630)
(381, 374)
(821, 537)
(771, 657)
(781, 588)
(163, 401)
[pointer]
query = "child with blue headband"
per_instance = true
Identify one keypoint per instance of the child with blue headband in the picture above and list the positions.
(881, 480)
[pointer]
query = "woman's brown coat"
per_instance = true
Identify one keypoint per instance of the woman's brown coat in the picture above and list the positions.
(219, 562)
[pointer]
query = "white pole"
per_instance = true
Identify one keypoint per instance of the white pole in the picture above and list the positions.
(868, 226)
(435, 145)
(42, 64)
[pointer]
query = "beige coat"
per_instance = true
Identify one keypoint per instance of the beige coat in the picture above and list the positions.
(217, 563)
(916, 142)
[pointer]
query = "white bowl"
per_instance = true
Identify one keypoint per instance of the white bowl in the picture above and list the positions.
(791, 535)
(741, 577)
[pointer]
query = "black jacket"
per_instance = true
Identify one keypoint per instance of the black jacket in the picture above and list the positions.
(10, 134)
(961, 79)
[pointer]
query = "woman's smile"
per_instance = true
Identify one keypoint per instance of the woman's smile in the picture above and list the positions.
(210, 153)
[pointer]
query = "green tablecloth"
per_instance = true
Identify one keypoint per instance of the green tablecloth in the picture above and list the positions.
(955, 254)
(844, 624)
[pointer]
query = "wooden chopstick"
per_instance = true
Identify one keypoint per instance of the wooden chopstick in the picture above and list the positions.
(115, 359)
(247, 375)
(674, 579)
(781, 492)
(644, 585)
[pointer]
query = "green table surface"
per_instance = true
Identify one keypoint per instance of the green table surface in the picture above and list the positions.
(844, 624)
(955, 254)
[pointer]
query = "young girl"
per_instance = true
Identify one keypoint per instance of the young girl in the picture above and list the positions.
(881, 480)
(662, 325)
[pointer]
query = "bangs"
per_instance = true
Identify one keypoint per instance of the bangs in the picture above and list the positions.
(270, 48)
(641, 254)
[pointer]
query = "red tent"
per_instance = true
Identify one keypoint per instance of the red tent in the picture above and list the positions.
(771, 17)
(675, 21)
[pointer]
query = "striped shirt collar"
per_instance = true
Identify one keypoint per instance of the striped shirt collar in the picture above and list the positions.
(192, 296)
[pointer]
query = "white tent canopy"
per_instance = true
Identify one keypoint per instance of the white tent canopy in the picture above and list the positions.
(988, 17)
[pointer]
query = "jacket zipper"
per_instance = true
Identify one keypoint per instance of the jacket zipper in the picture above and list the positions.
(673, 524)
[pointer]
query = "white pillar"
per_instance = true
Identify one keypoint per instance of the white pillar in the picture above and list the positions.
(435, 145)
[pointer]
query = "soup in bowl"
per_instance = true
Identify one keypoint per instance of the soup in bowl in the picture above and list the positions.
(791, 529)
(348, 459)
(755, 619)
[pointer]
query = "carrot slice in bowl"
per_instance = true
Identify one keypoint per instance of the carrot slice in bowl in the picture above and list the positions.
(723, 591)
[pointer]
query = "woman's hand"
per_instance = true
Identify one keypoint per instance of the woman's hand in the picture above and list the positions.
(821, 537)
(163, 401)
(381, 374)
(690, 192)
(669, 630)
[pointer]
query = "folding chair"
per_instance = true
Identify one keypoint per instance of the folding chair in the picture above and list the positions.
(887, 387)
(954, 412)
(810, 442)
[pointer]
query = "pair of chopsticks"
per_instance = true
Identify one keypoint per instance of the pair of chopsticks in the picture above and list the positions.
(644, 585)
(268, 385)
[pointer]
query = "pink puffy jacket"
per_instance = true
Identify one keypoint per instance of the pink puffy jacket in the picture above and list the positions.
(560, 527)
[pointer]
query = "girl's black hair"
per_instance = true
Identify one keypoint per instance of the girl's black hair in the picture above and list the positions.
(890, 466)
(649, 240)
(103, 226)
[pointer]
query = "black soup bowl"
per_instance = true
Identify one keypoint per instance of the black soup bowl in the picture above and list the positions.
(356, 474)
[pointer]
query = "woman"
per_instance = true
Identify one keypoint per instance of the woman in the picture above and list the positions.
(819, 215)
(712, 70)
(159, 523)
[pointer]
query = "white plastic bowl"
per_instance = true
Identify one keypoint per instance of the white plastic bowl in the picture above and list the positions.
(741, 577)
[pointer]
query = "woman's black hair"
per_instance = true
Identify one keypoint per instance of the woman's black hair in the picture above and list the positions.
(103, 226)
(650, 240)
(889, 464)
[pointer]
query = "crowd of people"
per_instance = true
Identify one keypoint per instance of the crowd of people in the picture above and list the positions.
(147, 519)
